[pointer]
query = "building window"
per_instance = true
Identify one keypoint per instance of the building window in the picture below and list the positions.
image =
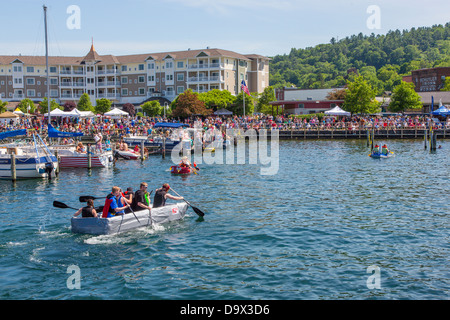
(124, 68)
(180, 77)
(180, 64)
(31, 93)
(17, 68)
(53, 81)
(30, 81)
(53, 69)
(169, 64)
(151, 66)
(141, 91)
(180, 89)
(17, 80)
(169, 77)
(124, 80)
(141, 79)
(141, 67)
(151, 78)
(53, 93)
(124, 91)
(30, 69)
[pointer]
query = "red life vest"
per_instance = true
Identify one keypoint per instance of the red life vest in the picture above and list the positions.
(106, 208)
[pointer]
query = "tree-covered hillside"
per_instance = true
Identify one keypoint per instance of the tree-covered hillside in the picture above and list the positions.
(381, 59)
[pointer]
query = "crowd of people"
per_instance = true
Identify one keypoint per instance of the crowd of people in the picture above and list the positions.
(105, 127)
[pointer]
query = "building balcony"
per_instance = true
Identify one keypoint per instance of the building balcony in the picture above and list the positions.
(108, 71)
(71, 72)
(69, 84)
(114, 96)
(202, 66)
(205, 79)
(108, 84)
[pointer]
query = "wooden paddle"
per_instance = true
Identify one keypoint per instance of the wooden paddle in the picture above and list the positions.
(197, 210)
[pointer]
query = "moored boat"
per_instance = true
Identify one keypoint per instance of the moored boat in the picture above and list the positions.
(70, 158)
(31, 161)
(127, 154)
(129, 221)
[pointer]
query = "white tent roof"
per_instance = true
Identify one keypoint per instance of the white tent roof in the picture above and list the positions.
(116, 112)
(336, 111)
(56, 113)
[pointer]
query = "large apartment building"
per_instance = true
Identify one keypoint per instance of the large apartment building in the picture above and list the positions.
(130, 78)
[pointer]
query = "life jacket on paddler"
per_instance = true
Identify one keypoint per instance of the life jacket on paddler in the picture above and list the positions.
(376, 149)
(107, 211)
(160, 196)
(86, 212)
(384, 149)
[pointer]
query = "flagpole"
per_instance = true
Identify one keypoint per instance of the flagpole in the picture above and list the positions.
(46, 64)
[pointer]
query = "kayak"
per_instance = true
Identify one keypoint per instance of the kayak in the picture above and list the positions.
(127, 222)
(181, 170)
(377, 155)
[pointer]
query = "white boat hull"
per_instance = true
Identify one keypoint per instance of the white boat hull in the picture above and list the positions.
(127, 222)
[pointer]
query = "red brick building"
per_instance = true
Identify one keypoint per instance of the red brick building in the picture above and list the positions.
(431, 79)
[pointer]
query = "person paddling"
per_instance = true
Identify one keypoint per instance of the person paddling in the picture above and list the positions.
(112, 205)
(162, 194)
(88, 211)
(140, 199)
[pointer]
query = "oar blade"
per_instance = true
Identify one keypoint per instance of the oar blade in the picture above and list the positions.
(198, 211)
(86, 198)
(58, 204)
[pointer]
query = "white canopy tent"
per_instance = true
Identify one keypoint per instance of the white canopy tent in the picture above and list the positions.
(116, 113)
(336, 111)
(56, 113)
(81, 114)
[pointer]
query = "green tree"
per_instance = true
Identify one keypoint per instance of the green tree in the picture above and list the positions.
(263, 104)
(217, 98)
(152, 108)
(43, 105)
(446, 84)
(85, 103)
(24, 104)
(3, 106)
(404, 97)
(238, 107)
(360, 97)
(103, 105)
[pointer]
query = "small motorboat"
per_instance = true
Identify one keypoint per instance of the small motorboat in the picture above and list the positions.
(129, 221)
(30, 160)
(127, 154)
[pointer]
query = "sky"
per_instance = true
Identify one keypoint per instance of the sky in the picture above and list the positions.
(265, 27)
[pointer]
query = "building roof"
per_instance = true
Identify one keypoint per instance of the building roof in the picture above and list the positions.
(92, 55)
(443, 96)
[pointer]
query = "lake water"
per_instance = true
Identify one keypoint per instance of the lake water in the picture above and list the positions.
(329, 221)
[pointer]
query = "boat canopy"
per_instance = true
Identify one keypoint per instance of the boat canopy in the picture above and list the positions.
(170, 125)
(8, 134)
(53, 133)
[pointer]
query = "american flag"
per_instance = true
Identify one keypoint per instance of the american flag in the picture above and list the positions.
(244, 87)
